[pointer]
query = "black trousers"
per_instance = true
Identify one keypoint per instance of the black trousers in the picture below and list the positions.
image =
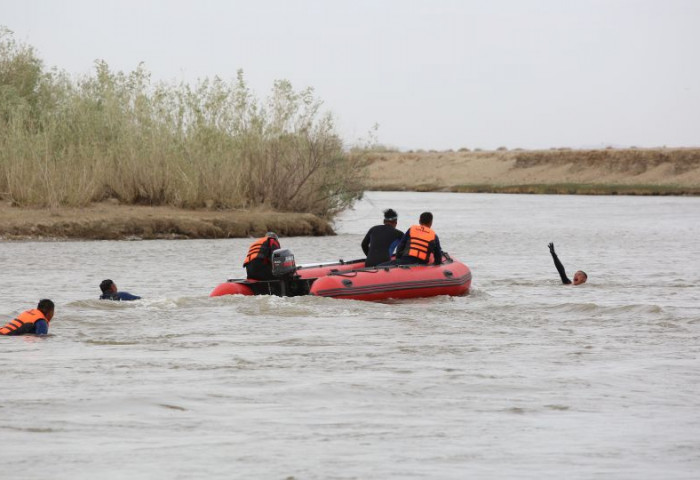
(259, 270)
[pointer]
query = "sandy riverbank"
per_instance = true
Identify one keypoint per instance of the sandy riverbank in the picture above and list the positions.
(109, 221)
(610, 171)
(629, 171)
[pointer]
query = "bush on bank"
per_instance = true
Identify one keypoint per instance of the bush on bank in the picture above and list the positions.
(67, 141)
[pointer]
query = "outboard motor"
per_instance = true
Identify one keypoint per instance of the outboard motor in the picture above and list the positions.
(283, 263)
(283, 268)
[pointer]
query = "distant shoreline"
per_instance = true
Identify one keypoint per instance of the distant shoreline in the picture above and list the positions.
(659, 171)
(554, 189)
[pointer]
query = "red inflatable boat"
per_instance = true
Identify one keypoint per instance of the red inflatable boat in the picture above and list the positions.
(299, 284)
(349, 279)
(403, 281)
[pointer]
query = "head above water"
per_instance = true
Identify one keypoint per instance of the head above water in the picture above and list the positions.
(390, 216)
(272, 235)
(426, 218)
(46, 307)
(108, 286)
(580, 277)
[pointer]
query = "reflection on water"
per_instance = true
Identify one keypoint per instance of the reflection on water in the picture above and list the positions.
(523, 378)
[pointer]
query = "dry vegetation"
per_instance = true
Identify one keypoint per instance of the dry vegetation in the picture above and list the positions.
(114, 155)
(630, 171)
(113, 135)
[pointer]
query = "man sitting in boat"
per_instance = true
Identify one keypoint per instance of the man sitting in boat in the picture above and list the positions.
(110, 292)
(419, 242)
(258, 261)
(381, 240)
(580, 276)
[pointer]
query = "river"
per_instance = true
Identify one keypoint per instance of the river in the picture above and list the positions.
(523, 378)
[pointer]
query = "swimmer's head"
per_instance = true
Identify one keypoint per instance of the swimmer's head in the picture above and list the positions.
(108, 286)
(580, 277)
(46, 307)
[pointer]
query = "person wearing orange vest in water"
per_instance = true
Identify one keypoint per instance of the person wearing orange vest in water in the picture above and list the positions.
(419, 242)
(31, 322)
(258, 261)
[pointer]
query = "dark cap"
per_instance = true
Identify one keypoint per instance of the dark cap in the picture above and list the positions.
(390, 215)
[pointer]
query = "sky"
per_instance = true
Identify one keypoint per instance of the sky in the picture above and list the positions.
(434, 74)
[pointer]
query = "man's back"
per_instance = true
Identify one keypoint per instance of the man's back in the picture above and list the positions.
(378, 244)
(417, 246)
(121, 296)
(258, 261)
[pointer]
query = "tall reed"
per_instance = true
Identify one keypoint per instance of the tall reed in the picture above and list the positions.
(68, 141)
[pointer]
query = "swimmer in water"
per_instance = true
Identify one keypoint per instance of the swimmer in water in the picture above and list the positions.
(31, 322)
(110, 292)
(580, 276)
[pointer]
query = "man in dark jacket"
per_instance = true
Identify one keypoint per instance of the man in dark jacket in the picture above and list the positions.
(110, 292)
(381, 240)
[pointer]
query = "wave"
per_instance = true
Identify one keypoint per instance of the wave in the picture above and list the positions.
(616, 310)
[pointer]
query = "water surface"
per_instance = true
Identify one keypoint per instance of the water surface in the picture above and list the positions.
(523, 378)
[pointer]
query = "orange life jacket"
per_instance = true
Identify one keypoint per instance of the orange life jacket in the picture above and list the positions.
(23, 323)
(420, 237)
(258, 249)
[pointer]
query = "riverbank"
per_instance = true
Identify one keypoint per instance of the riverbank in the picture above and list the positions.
(557, 171)
(111, 221)
(661, 171)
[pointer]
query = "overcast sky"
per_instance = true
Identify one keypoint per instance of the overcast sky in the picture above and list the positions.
(434, 74)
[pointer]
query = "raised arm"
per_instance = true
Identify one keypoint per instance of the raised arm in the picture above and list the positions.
(560, 268)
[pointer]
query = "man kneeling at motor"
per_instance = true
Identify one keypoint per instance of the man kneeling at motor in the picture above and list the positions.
(258, 261)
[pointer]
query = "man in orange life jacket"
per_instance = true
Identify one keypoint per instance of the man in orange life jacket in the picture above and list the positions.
(35, 321)
(419, 242)
(258, 261)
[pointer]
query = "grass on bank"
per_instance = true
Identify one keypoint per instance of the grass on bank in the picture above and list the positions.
(548, 189)
(579, 189)
(70, 142)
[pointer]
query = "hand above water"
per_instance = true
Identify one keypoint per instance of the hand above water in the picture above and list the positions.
(551, 248)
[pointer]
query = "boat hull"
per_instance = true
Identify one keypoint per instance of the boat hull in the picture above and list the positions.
(405, 281)
(305, 275)
(231, 288)
(308, 272)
